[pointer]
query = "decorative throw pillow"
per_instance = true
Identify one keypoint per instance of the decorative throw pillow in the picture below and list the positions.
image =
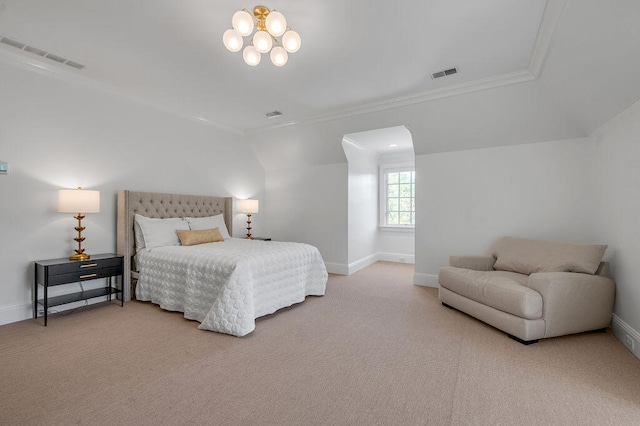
(201, 236)
(160, 232)
(530, 256)
(209, 222)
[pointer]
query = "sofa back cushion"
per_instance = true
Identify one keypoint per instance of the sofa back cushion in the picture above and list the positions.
(529, 256)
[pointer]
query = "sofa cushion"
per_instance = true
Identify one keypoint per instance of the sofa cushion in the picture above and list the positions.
(501, 290)
(529, 256)
(477, 263)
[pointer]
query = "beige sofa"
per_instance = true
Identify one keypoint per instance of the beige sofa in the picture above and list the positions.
(532, 289)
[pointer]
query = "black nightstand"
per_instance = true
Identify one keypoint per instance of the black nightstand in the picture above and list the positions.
(53, 272)
(262, 238)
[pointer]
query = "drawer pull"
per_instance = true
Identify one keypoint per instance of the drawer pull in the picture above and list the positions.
(88, 276)
(89, 265)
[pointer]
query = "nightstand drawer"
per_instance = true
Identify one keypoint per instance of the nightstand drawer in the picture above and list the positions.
(88, 274)
(84, 267)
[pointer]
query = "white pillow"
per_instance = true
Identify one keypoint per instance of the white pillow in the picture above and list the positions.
(209, 222)
(160, 232)
(137, 232)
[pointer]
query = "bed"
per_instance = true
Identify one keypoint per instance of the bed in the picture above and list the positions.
(223, 285)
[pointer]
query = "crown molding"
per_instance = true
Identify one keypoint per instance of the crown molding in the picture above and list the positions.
(552, 14)
(356, 145)
(415, 98)
(553, 11)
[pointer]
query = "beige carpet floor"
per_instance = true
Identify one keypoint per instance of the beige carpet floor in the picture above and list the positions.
(375, 350)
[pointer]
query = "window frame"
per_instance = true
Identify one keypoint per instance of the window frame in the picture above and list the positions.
(384, 170)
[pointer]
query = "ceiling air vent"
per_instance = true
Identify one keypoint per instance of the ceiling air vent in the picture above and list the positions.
(59, 59)
(443, 73)
(12, 42)
(35, 50)
(273, 114)
(74, 64)
(56, 58)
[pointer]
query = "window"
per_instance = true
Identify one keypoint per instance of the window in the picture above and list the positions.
(397, 195)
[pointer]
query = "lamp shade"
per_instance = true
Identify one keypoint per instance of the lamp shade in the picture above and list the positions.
(279, 56)
(232, 40)
(78, 201)
(248, 206)
(276, 23)
(251, 56)
(262, 41)
(291, 41)
(242, 22)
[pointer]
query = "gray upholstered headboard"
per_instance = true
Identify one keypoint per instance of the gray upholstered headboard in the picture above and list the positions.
(159, 205)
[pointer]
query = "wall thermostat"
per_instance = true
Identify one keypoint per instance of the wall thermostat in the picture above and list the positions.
(4, 168)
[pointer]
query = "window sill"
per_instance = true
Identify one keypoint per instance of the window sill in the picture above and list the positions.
(401, 228)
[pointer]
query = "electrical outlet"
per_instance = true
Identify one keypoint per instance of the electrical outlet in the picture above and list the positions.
(629, 342)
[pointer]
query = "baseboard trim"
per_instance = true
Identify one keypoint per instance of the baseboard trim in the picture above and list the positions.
(397, 258)
(377, 257)
(337, 268)
(15, 313)
(629, 337)
(362, 263)
(426, 280)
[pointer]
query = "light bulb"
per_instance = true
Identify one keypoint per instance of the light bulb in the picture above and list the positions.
(276, 23)
(251, 56)
(232, 40)
(279, 56)
(262, 41)
(291, 41)
(242, 23)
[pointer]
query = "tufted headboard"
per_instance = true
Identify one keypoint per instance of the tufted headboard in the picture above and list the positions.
(159, 205)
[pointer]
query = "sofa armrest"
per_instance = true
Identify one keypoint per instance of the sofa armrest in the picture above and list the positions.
(574, 302)
(477, 263)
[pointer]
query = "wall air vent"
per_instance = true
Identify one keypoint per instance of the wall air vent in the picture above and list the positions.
(444, 73)
(273, 114)
(59, 59)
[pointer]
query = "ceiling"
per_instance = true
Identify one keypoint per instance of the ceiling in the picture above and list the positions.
(385, 140)
(356, 55)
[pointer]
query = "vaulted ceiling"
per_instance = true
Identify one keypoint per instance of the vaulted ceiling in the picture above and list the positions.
(354, 54)
(357, 57)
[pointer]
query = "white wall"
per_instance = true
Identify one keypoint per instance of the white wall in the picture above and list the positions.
(396, 245)
(309, 205)
(58, 133)
(617, 186)
(468, 199)
(296, 152)
(362, 205)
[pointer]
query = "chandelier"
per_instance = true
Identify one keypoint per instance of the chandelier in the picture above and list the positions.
(269, 25)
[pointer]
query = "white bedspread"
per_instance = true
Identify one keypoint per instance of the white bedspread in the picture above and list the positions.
(227, 285)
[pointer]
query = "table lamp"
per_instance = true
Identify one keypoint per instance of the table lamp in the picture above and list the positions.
(78, 201)
(248, 207)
